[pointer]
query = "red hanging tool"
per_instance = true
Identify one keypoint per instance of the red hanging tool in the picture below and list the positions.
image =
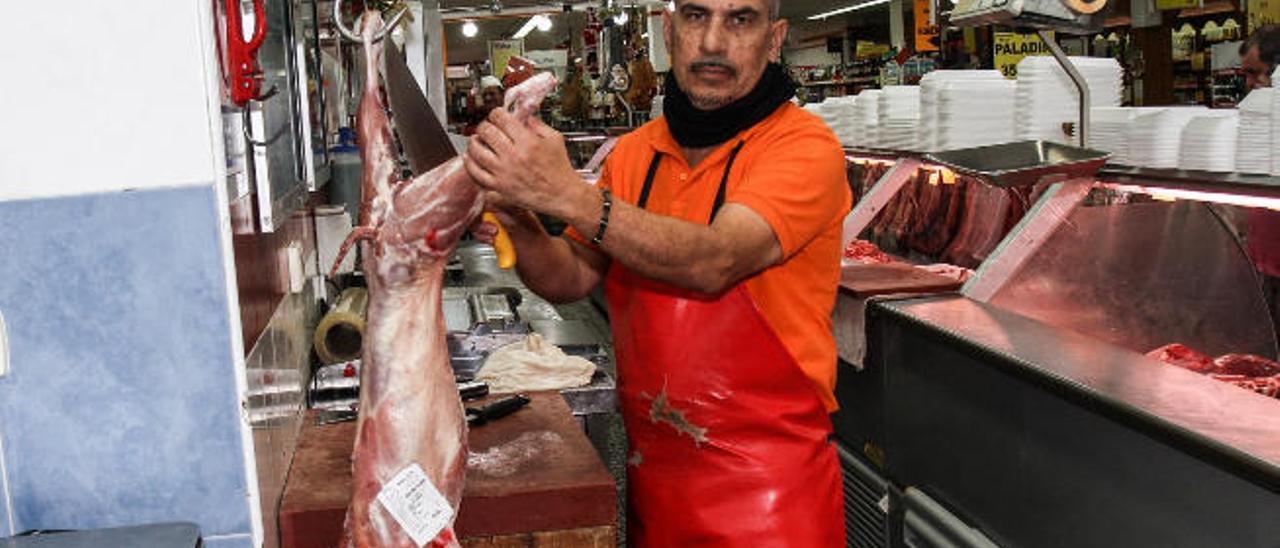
(243, 72)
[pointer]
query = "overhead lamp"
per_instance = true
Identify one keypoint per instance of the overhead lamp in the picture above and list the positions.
(847, 9)
(470, 30)
(621, 18)
(540, 21)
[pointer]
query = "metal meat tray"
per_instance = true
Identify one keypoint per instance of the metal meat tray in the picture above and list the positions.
(1023, 163)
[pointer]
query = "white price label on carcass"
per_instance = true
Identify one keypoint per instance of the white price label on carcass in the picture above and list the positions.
(416, 504)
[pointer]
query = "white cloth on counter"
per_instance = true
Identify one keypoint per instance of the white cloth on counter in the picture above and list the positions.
(533, 364)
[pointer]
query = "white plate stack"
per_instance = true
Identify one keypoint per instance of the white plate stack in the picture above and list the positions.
(1155, 136)
(974, 113)
(866, 119)
(1109, 131)
(1253, 136)
(931, 86)
(1209, 142)
(838, 114)
(899, 114)
(1275, 126)
(1047, 99)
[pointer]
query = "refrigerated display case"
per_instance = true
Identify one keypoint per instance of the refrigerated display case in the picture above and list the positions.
(1025, 407)
(917, 228)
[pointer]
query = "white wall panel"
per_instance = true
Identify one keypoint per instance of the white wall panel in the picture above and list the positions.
(104, 96)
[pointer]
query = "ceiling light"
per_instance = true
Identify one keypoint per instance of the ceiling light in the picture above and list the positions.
(469, 29)
(621, 18)
(847, 9)
(540, 22)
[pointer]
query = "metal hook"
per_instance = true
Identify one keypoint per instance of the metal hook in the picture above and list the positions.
(245, 124)
(352, 36)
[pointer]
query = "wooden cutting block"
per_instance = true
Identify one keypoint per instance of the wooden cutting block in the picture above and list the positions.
(869, 280)
(533, 480)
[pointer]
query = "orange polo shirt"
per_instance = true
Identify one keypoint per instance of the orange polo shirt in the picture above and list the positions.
(791, 171)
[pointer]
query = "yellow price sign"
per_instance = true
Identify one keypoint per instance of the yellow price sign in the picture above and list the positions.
(1012, 47)
(864, 49)
(501, 52)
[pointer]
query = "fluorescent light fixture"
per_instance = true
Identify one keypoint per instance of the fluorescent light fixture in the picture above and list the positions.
(540, 21)
(621, 18)
(847, 9)
(469, 29)
(1171, 194)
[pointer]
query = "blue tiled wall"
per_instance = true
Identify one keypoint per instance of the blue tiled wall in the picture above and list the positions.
(234, 541)
(121, 405)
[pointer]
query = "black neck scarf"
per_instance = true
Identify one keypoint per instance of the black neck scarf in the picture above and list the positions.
(694, 128)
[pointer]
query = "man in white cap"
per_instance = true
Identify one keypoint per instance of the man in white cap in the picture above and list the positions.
(490, 97)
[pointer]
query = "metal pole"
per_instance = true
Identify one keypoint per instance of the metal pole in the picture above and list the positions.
(1082, 129)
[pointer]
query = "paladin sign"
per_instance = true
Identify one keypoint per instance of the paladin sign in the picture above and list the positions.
(1012, 47)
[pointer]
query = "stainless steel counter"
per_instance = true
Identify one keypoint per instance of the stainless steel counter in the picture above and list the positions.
(579, 327)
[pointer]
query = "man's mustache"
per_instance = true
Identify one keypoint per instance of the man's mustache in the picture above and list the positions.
(713, 63)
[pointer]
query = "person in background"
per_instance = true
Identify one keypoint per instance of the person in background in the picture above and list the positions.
(1259, 55)
(490, 98)
(716, 232)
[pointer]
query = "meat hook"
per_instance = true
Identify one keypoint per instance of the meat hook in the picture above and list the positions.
(347, 33)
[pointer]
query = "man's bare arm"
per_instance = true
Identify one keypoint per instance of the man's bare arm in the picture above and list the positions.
(528, 167)
(693, 256)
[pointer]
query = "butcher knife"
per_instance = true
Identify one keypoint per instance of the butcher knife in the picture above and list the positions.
(424, 140)
(496, 410)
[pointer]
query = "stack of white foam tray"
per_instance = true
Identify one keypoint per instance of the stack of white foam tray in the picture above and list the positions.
(1047, 99)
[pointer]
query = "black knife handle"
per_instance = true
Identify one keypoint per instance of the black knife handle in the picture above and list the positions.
(497, 410)
(473, 390)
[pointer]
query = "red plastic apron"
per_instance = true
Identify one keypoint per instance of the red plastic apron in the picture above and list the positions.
(729, 439)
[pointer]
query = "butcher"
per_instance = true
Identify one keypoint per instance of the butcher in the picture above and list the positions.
(1259, 54)
(715, 230)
